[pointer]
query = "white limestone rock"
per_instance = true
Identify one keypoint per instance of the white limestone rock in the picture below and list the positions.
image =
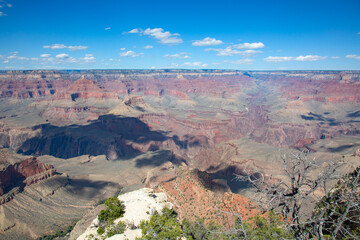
(139, 206)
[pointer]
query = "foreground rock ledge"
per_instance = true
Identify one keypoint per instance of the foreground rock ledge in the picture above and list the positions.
(139, 206)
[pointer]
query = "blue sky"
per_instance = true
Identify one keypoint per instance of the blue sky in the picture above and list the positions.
(134, 34)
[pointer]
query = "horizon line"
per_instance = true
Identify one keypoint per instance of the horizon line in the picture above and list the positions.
(182, 69)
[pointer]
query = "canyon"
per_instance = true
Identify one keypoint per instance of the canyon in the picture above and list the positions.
(71, 138)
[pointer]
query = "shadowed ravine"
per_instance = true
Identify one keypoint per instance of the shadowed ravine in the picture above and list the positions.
(114, 136)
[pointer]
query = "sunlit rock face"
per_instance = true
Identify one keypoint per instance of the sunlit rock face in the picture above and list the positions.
(139, 205)
(189, 112)
(24, 173)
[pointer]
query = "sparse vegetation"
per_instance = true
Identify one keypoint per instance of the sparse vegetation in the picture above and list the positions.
(59, 233)
(166, 226)
(270, 227)
(112, 230)
(340, 209)
(336, 216)
(198, 230)
(161, 226)
(100, 230)
(114, 209)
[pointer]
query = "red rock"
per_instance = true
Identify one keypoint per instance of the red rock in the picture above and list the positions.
(304, 142)
(195, 195)
(26, 172)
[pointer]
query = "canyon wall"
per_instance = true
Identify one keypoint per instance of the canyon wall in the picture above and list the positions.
(109, 128)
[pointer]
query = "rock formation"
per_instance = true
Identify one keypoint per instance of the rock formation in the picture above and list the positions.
(196, 195)
(93, 124)
(24, 173)
(138, 205)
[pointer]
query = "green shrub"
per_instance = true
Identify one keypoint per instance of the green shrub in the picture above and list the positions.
(100, 230)
(198, 230)
(114, 209)
(112, 230)
(270, 227)
(161, 226)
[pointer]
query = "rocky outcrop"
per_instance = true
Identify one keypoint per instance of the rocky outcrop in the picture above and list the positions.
(60, 115)
(139, 205)
(196, 195)
(84, 89)
(22, 174)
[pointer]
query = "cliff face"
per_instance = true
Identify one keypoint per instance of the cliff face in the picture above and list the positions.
(186, 112)
(107, 84)
(19, 175)
(220, 122)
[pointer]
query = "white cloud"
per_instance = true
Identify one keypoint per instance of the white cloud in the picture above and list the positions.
(63, 46)
(207, 42)
(2, 5)
(148, 47)
(245, 61)
(254, 45)
(335, 57)
(173, 65)
(163, 37)
(14, 56)
(130, 54)
(114, 60)
(358, 33)
(122, 49)
(89, 58)
(278, 59)
(55, 46)
(224, 51)
(46, 59)
(229, 51)
(310, 58)
(353, 56)
(250, 52)
(76, 48)
(62, 55)
(135, 30)
(177, 55)
(195, 64)
(107, 28)
(72, 60)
